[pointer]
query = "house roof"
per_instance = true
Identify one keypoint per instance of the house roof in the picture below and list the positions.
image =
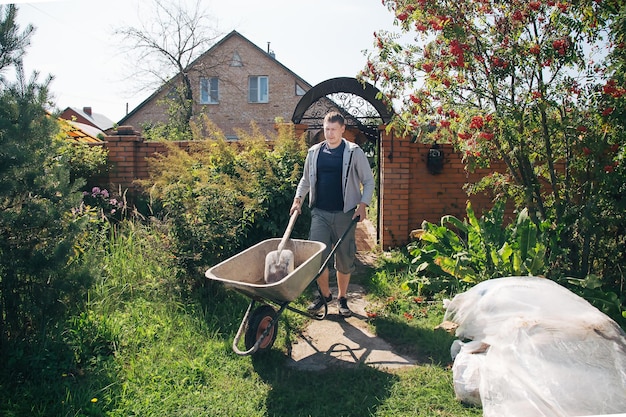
(98, 120)
(80, 132)
(208, 52)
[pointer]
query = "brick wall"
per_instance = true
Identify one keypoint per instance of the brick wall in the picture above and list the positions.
(408, 193)
(127, 159)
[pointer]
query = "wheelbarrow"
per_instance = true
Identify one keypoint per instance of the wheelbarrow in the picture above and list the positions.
(244, 273)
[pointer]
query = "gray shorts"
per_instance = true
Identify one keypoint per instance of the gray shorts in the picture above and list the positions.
(327, 227)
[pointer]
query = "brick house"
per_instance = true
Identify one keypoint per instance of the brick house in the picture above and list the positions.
(235, 82)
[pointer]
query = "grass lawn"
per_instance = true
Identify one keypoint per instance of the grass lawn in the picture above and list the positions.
(143, 344)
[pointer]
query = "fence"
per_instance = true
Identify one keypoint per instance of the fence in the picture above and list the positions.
(408, 192)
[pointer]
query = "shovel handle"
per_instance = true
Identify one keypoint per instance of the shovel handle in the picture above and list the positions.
(283, 241)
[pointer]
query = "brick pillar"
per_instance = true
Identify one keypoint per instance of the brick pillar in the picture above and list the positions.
(395, 171)
(122, 159)
(300, 129)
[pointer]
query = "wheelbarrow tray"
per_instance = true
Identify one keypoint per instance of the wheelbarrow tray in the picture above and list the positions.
(245, 271)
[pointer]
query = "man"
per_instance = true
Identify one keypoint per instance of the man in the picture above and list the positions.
(339, 181)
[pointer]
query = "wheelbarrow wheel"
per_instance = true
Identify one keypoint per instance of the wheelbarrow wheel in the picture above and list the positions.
(259, 321)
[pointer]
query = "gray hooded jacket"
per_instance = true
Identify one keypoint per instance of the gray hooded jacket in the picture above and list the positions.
(357, 183)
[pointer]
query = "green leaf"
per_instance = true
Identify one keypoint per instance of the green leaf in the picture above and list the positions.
(461, 226)
(429, 237)
(421, 267)
(471, 216)
(457, 268)
(495, 257)
(505, 253)
(517, 264)
(538, 265)
(591, 282)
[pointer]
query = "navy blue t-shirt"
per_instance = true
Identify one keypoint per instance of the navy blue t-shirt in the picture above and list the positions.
(328, 190)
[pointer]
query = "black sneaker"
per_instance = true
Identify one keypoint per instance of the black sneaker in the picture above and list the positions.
(344, 310)
(318, 303)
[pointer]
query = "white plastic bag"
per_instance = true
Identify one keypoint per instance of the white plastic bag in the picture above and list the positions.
(468, 359)
(545, 351)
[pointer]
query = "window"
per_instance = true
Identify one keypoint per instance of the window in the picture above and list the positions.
(209, 90)
(299, 90)
(258, 89)
(236, 61)
(171, 94)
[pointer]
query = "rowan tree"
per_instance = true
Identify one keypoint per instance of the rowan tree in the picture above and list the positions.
(527, 83)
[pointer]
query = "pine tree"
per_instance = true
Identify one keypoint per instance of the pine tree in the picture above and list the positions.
(36, 196)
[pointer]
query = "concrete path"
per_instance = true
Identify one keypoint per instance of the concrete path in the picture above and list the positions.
(338, 341)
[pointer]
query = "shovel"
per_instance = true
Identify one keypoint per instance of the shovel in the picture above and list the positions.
(279, 263)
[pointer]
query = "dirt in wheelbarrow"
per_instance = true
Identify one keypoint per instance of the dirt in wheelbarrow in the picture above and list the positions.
(347, 341)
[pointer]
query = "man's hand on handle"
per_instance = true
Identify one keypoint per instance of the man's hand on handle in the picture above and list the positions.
(360, 212)
(296, 206)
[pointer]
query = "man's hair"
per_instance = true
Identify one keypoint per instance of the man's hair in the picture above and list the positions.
(335, 117)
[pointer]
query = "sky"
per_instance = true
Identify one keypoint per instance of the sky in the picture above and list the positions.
(74, 41)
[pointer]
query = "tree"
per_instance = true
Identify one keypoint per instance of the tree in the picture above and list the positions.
(13, 43)
(525, 82)
(164, 47)
(36, 197)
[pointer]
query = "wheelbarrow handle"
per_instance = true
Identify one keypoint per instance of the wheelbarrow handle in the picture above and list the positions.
(334, 249)
(325, 264)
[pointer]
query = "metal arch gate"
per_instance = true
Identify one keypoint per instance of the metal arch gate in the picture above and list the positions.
(357, 101)
(366, 112)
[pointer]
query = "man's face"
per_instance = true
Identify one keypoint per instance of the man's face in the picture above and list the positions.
(333, 132)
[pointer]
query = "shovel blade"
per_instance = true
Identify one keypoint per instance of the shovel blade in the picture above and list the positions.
(278, 265)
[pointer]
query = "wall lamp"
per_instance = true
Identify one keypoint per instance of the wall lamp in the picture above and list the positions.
(434, 159)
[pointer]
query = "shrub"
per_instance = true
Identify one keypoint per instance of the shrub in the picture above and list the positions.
(455, 255)
(84, 161)
(223, 196)
(476, 249)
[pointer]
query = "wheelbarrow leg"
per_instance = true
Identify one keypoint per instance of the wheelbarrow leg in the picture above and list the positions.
(242, 326)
